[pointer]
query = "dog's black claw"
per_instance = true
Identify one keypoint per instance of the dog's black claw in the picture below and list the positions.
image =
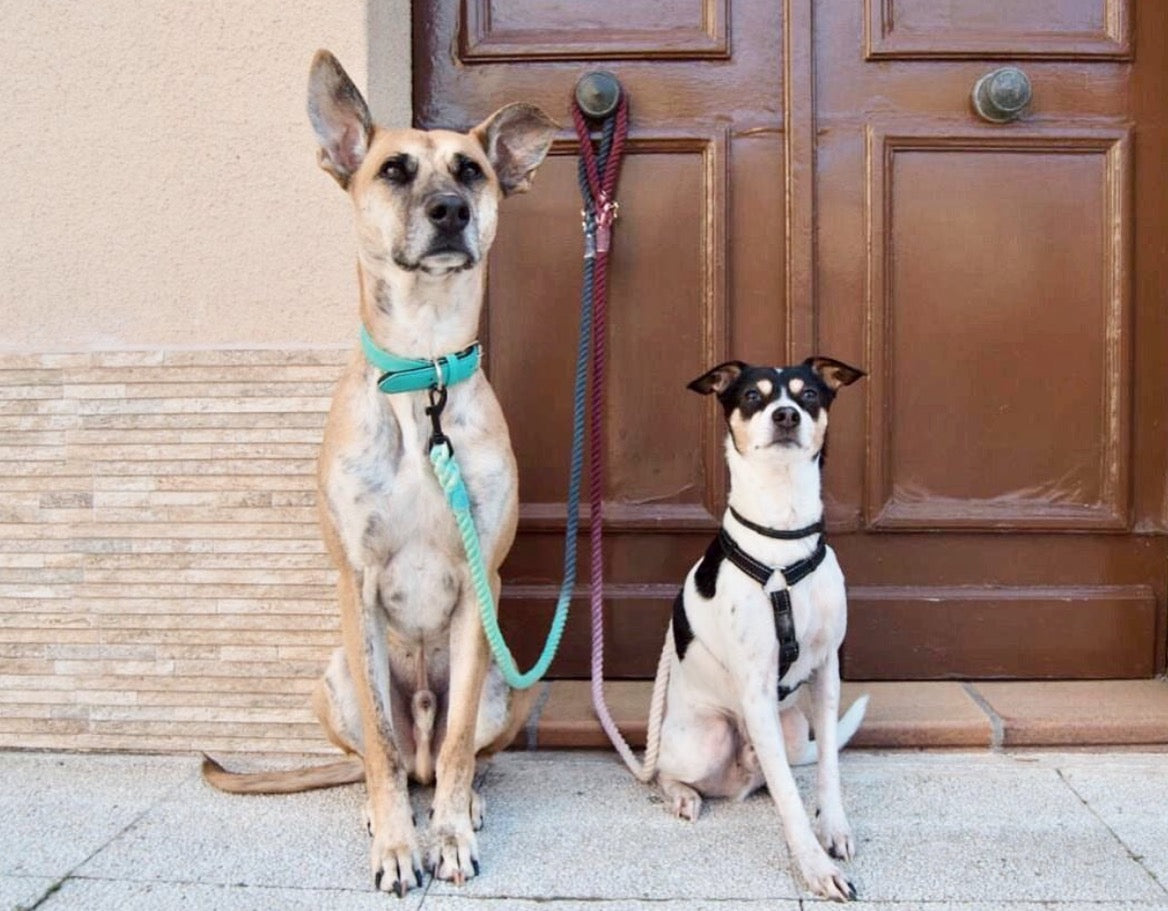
(418, 875)
(475, 866)
(851, 892)
(377, 880)
(399, 889)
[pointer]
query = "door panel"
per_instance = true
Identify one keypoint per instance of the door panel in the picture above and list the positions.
(1001, 315)
(996, 488)
(531, 325)
(1007, 631)
(997, 28)
(538, 30)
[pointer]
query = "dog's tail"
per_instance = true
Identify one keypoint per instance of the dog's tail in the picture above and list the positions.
(849, 723)
(347, 771)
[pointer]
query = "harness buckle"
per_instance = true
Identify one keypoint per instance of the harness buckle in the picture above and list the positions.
(434, 412)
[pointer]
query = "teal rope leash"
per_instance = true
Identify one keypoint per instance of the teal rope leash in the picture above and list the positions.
(449, 476)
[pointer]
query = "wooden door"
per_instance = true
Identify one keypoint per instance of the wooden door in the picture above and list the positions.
(810, 176)
(1005, 489)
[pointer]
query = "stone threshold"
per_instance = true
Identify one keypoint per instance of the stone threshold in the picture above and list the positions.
(912, 714)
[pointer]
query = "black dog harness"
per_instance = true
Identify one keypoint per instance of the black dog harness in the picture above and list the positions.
(724, 546)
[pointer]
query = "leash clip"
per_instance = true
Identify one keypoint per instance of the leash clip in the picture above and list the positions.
(608, 213)
(434, 412)
(588, 224)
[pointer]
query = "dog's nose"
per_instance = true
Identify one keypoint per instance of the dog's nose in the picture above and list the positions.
(448, 213)
(786, 417)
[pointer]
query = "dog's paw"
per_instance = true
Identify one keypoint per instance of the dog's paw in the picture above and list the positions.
(478, 810)
(836, 837)
(686, 802)
(453, 853)
(825, 879)
(396, 864)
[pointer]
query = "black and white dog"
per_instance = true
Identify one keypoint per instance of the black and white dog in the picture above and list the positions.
(761, 613)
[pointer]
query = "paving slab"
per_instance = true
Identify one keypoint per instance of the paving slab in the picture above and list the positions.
(1130, 796)
(940, 714)
(997, 906)
(115, 895)
(58, 809)
(314, 840)
(456, 903)
(980, 827)
(1079, 712)
(19, 892)
(578, 826)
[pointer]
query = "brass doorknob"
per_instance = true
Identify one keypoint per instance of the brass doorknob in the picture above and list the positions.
(1002, 95)
(598, 94)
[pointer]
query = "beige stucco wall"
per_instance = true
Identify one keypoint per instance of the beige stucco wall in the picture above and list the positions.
(159, 183)
(177, 294)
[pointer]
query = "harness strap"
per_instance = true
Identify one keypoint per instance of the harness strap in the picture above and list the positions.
(780, 599)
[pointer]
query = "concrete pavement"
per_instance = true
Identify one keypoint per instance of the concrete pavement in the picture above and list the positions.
(568, 831)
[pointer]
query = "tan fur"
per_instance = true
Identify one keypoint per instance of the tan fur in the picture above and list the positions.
(347, 771)
(413, 692)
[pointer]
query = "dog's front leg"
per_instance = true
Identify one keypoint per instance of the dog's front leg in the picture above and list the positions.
(453, 852)
(394, 857)
(832, 823)
(761, 713)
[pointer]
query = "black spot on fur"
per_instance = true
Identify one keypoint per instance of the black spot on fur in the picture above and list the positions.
(682, 631)
(706, 577)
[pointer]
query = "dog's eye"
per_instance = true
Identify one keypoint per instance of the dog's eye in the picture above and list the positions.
(810, 394)
(752, 396)
(396, 171)
(469, 171)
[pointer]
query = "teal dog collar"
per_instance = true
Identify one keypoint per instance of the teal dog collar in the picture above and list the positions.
(410, 374)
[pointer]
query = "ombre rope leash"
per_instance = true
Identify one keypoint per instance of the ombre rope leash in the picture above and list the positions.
(598, 172)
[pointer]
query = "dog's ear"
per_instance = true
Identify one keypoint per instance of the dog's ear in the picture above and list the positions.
(834, 373)
(719, 379)
(516, 138)
(339, 117)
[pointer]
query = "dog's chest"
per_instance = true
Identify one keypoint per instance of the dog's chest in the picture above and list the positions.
(387, 509)
(736, 625)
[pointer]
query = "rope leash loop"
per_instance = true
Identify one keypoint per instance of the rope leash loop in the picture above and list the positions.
(598, 172)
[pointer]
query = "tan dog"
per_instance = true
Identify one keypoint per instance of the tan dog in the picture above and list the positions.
(414, 676)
